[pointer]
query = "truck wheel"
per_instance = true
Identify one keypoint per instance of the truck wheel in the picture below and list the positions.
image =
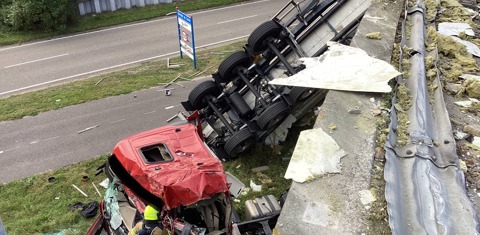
(299, 94)
(240, 142)
(229, 66)
(259, 37)
(273, 115)
(197, 97)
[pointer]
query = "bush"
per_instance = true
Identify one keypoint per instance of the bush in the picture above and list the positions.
(38, 15)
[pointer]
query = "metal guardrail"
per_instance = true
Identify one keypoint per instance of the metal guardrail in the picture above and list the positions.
(425, 188)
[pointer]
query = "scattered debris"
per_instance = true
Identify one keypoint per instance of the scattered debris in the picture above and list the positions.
(77, 188)
(459, 135)
(476, 141)
(372, 99)
(472, 88)
(104, 183)
(453, 88)
(236, 186)
(454, 29)
(356, 110)
(171, 65)
(88, 128)
(376, 112)
(90, 210)
(467, 103)
(471, 48)
(260, 169)
(469, 76)
(57, 198)
(180, 115)
(52, 179)
(366, 197)
(310, 160)
(255, 187)
(343, 68)
(172, 81)
(96, 189)
(472, 129)
(332, 127)
(99, 81)
(463, 166)
(375, 35)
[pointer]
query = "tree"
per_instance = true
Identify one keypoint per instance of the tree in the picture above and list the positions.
(38, 15)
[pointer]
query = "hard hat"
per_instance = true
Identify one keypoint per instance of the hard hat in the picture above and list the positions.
(150, 213)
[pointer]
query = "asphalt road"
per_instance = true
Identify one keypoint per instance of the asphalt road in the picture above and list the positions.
(36, 65)
(58, 138)
(61, 137)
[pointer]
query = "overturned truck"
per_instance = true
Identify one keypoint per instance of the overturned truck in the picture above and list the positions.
(177, 168)
(238, 106)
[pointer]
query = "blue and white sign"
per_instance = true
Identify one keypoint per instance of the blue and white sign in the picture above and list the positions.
(186, 36)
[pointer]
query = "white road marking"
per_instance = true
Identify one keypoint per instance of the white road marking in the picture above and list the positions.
(170, 107)
(150, 112)
(120, 120)
(33, 61)
(243, 18)
(35, 141)
(113, 67)
(131, 25)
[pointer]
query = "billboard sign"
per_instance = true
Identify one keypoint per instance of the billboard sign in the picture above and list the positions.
(186, 36)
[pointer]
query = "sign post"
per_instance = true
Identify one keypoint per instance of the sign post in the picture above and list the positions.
(186, 36)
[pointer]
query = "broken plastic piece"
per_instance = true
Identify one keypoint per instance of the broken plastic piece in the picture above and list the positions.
(255, 187)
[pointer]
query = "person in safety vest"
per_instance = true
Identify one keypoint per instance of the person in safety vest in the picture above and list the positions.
(150, 224)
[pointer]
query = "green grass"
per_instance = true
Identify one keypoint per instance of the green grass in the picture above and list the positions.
(28, 206)
(106, 19)
(147, 75)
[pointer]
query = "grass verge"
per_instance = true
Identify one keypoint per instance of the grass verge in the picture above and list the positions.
(35, 206)
(29, 206)
(147, 75)
(122, 16)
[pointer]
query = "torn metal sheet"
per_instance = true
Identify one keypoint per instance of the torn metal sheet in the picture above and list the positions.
(471, 48)
(454, 29)
(310, 159)
(343, 68)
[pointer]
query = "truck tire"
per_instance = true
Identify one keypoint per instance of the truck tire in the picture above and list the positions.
(259, 37)
(240, 142)
(299, 94)
(199, 94)
(273, 115)
(229, 66)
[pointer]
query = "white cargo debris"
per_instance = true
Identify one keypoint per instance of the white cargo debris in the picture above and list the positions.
(467, 103)
(476, 141)
(255, 187)
(343, 68)
(366, 197)
(469, 77)
(471, 48)
(454, 29)
(310, 159)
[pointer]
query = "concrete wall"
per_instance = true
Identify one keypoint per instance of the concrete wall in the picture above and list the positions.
(99, 6)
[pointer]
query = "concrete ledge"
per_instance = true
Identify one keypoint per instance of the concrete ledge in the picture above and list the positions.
(331, 204)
